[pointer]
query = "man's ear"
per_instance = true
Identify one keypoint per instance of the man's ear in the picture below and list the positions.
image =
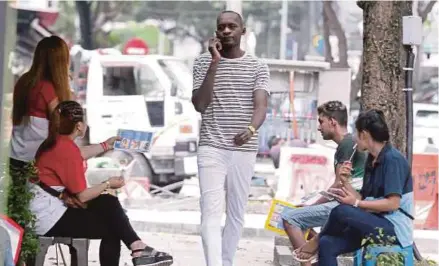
(244, 30)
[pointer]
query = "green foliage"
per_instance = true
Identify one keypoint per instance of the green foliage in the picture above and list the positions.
(380, 239)
(19, 197)
(148, 33)
(195, 19)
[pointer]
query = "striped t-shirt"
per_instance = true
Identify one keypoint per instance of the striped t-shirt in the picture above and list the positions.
(231, 109)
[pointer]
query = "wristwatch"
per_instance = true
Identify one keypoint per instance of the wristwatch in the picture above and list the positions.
(357, 201)
(252, 129)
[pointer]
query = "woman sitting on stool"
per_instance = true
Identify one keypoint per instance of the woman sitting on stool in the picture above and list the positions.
(90, 212)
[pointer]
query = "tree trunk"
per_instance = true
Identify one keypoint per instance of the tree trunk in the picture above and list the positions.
(84, 13)
(384, 58)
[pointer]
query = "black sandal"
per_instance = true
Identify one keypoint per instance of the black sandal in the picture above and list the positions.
(152, 257)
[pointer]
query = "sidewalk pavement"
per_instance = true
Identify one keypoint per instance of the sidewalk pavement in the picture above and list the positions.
(187, 222)
(186, 249)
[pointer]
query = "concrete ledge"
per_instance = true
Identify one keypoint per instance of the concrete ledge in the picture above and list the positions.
(282, 241)
(282, 257)
(191, 229)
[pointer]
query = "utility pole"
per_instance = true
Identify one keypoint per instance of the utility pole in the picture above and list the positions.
(8, 33)
(283, 29)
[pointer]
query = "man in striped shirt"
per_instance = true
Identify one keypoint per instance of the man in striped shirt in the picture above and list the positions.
(231, 92)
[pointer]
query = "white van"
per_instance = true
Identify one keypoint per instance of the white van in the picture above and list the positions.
(149, 93)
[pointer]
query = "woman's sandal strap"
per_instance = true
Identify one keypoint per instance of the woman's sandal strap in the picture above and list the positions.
(152, 253)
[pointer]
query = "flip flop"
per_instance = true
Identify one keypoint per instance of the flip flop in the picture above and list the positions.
(312, 259)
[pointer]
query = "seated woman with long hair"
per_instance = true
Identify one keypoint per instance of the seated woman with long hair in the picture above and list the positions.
(60, 168)
(383, 208)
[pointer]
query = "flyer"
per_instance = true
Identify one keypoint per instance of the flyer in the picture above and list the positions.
(274, 220)
(133, 140)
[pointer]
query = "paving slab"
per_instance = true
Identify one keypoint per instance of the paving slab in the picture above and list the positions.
(186, 249)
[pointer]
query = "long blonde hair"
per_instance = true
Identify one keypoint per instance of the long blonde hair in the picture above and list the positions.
(50, 62)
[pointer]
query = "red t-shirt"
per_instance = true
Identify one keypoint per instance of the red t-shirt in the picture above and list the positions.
(63, 166)
(40, 97)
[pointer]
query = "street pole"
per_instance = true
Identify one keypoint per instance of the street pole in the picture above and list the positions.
(283, 29)
(236, 5)
(412, 26)
(8, 26)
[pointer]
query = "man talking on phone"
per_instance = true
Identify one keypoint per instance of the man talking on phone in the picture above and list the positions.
(231, 93)
(333, 118)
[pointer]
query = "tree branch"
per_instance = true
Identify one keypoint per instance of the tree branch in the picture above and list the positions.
(104, 13)
(293, 26)
(425, 11)
(335, 24)
(186, 32)
(326, 34)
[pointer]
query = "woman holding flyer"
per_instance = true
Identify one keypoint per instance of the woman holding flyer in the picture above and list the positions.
(64, 206)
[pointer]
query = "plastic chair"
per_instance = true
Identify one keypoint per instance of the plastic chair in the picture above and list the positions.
(78, 249)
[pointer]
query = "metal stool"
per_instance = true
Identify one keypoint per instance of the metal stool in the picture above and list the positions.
(78, 249)
(375, 251)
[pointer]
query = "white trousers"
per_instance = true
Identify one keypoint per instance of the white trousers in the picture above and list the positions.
(230, 172)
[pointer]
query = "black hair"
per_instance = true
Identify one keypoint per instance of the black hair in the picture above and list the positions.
(374, 122)
(240, 20)
(63, 121)
(335, 110)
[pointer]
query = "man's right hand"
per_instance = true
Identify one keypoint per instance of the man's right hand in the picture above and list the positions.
(214, 48)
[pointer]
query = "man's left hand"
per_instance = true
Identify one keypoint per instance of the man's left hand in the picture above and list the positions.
(243, 137)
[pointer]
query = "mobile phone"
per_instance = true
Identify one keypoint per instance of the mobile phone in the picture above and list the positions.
(336, 191)
(328, 195)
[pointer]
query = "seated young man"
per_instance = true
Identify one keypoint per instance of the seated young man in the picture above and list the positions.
(333, 119)
(385, 202)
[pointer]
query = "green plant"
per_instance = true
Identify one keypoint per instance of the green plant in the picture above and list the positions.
(19, 197)
(380, 239)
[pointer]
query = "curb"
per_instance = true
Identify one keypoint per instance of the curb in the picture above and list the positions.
(282, 254)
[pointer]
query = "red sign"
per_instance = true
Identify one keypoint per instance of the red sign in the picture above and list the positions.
(425, 188)
(136, 46)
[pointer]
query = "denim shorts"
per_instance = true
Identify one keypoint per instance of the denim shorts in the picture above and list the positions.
(309, 216)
